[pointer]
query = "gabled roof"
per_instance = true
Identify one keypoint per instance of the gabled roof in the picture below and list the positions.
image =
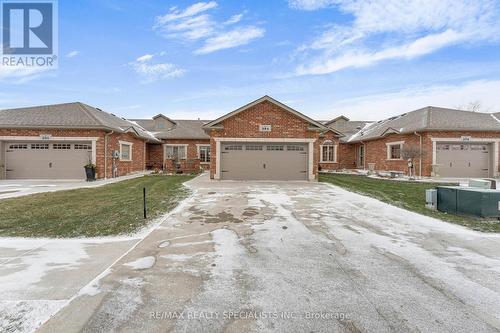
(336, 119)
(69, 115)
(160, 115)
(183, 129)
(314, 123)
(429, 119)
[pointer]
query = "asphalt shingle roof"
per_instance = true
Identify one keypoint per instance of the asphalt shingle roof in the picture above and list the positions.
(183, 129)
(68, 115)
(430, 119)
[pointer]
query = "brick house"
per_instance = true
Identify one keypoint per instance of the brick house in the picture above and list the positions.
(444, 142)
(56, 141)
(183, 147)
(264, 139)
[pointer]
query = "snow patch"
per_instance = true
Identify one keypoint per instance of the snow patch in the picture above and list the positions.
(26, 315)
(141, 263)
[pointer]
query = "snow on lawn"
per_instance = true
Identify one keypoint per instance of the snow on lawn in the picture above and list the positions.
(14, 314)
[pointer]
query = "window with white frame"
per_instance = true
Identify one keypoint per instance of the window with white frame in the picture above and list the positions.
(176, 152)
(204, 154)
(394, 150)
(125, 151)
(328, 154)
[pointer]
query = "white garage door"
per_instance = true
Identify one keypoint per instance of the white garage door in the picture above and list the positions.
(264, 161)
(463, 160)
(43, 160)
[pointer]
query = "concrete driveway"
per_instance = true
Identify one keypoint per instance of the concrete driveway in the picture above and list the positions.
(293, 257)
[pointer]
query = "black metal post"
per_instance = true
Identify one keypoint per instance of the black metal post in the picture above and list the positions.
(144, 201)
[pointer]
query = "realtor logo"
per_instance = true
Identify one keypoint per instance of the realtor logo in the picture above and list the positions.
(29, 33)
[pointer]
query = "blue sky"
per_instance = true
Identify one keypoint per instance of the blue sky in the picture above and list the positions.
(187, 59)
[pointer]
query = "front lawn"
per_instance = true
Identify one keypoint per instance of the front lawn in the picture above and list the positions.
(407, 195)
(100, 211)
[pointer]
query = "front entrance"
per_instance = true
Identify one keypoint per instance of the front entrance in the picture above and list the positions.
(361, 157)
(464, 159)
(264, 161)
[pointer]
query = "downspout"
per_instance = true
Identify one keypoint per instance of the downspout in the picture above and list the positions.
(364, 154)
(106, 153)
(419, 155)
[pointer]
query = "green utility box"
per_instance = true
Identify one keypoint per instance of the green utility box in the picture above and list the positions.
(468, 201)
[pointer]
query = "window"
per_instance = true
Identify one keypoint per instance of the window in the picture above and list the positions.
(274, 147)
(19, 146)
(253, 147)
(204, 154)
(61, 146)
(176, 152)
(394, 150)
(233, 147)
(125, 151)
(328, 154)
(83, 147)
(295, 148)
(39, 146)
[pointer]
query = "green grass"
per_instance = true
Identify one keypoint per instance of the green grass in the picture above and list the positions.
(101, 211)
(407, 195)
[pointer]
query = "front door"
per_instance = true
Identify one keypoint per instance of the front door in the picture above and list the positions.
(361, 156)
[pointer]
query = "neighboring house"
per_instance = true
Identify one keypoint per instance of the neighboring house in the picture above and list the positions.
(56, 141)
(263, 140)
(184, 146)
(448, 142)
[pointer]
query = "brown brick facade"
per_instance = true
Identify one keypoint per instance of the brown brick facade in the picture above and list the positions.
(245, 124)
(376, 150)
(123, 167)
(192, 163)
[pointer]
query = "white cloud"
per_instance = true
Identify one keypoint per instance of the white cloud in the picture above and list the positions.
(72, 54)
(234, 19)
(190, 11)
(419, 47)
(145, 58)
(392, 29)
(381, 106)
(311, 4)
(230, 39)
(155, 71)
(19, 74)
(196, 24)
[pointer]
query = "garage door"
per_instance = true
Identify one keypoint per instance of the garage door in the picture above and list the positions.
(264, 161)
(42, 160)
(463, 160)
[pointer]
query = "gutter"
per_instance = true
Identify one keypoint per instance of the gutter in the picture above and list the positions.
(419, 155)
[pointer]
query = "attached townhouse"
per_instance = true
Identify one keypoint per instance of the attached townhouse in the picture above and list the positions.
(263, 140)
(56, 141)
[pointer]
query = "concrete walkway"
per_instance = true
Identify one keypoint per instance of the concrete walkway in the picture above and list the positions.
(293, 257)
(21, 187)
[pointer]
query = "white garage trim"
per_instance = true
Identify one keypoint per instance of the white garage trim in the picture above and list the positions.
(310, 153)
(56, 138)
(495, 142)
